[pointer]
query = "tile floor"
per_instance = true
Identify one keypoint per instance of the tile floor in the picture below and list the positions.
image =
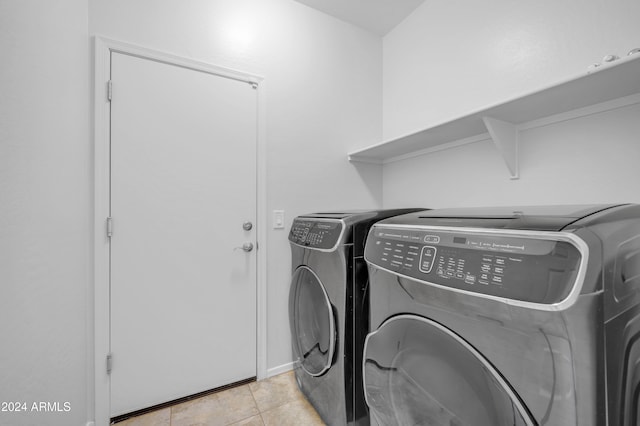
(274, 401)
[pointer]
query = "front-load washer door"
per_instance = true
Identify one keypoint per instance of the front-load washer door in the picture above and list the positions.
(312, 322)
(417, 372)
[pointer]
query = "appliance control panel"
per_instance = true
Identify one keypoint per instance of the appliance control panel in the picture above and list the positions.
(323, 234)
(529, 269)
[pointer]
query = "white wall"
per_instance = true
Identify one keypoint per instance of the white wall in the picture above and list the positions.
(323, 98)
(591, 159)
(45, 187)
(450, 58)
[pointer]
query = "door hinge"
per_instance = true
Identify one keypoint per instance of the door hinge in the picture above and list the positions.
(109, 227)
(109, 362)
(109, 90)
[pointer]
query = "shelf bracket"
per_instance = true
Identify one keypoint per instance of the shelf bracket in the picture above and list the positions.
(505, 137)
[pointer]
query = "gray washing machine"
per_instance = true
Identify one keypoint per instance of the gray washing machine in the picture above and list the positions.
(505, 316)
(328, 310)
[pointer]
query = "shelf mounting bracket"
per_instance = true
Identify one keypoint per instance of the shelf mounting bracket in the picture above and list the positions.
(505, 137)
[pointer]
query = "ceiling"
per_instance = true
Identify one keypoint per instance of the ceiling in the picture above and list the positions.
(377, 16)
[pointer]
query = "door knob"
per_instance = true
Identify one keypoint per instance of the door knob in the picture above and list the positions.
(247, 226)
(248, 246)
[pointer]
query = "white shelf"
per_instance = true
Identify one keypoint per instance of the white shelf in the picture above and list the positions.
(501, 122)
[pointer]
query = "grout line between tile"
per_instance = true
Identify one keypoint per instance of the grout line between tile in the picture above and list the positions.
(256, 405)
(255, 400)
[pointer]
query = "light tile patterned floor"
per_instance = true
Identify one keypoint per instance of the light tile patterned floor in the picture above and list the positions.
(274, 401)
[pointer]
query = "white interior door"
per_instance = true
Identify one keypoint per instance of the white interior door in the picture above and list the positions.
(183, 182)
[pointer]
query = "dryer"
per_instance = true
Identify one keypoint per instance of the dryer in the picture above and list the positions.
(505, 316)
(328, 310)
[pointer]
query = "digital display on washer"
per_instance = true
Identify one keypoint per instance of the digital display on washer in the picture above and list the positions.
(459, 240)
(528, 269)
(315, 233)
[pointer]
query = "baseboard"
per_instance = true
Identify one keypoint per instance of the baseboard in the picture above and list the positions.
(279, 369)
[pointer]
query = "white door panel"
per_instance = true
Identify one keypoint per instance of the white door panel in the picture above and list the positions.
(183, 181)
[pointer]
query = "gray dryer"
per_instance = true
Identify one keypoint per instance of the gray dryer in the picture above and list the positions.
(505, 316)
(328, 310)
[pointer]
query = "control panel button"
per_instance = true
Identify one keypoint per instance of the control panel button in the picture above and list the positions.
(427, 257)
(433, 239)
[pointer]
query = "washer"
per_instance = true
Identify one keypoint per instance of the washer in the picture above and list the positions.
(505, 316)
(328, 310)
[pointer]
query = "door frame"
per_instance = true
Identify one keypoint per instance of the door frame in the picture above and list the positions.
(98, 378)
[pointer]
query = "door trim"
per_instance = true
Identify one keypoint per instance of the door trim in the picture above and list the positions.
(98, 379)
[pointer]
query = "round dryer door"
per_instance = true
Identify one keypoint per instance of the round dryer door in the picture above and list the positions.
(417, 372)
(312, 322)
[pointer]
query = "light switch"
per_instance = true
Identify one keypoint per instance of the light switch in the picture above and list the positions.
(278, 219)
